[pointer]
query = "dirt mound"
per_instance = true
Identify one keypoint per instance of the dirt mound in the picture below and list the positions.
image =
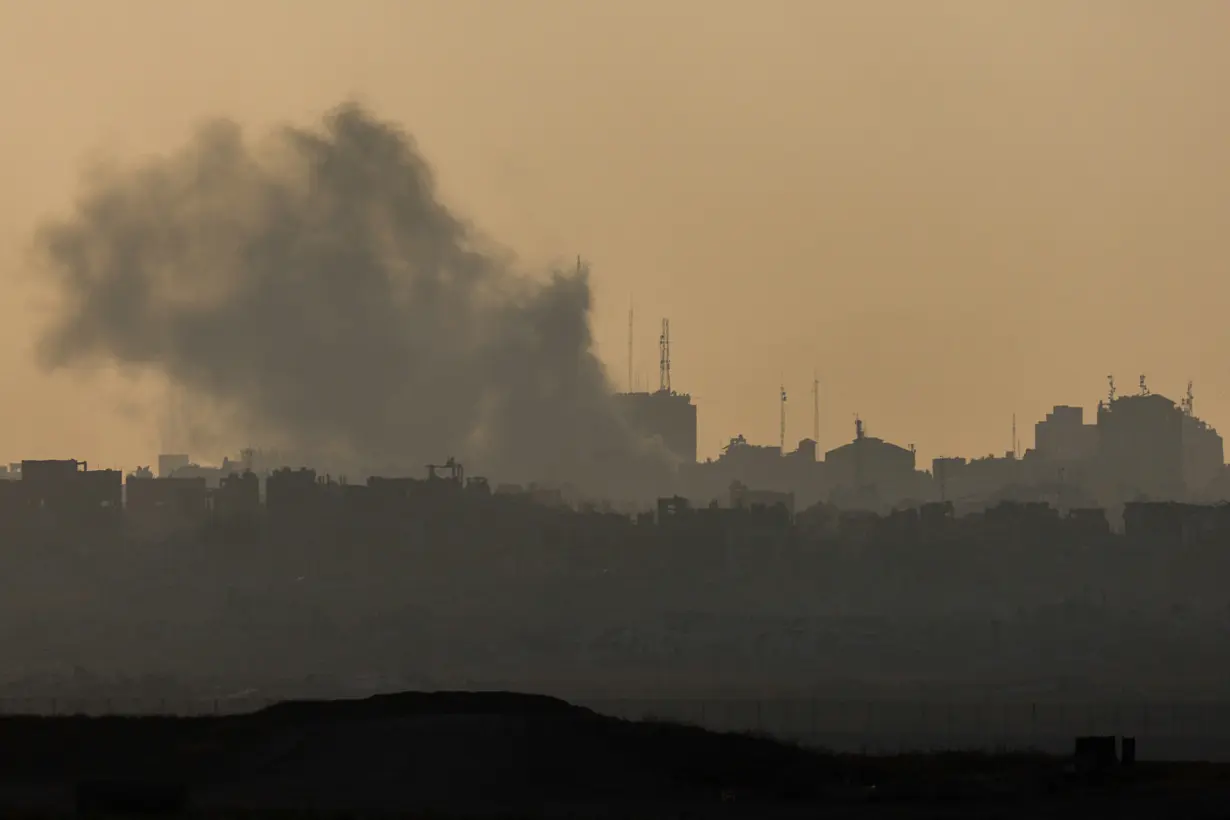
(446, 751)
(497, 751)
(404, 704)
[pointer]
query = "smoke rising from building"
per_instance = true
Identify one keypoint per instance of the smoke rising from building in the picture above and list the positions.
(313, 292)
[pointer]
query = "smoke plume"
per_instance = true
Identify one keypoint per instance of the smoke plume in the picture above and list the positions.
(313, 292)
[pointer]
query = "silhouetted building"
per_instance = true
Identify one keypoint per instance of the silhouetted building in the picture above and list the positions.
(213, 475)
(743, 498)
(936, 518)
(755, 462)
(238, 494)
(166, 501)
(69, 491)
(1089, 521)
(1140, 448)
(872, 471)
(979, 479)
(1204, 455)
(1064, 437)
(1169, 523)
(765, 467)
(290, 491)
(672, 508)
(168, 463)
(50, 474)
(806, 451)
(665, 415)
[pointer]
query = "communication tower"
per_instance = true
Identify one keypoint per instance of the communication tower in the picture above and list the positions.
(815, 410)
(630, 385)
(664, 358)
(782, 438)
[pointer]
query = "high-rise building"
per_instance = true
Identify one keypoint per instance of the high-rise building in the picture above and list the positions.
(1204, 454)
(1064, 437)
(1140, 448)
(667, 416)
(168, 463)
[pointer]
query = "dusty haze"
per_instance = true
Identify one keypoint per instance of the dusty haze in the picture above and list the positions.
(954, 211)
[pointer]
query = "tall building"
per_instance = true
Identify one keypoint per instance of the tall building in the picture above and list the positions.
(1204, 454)
(68, 488)
(168, 463)
(664, 415)
(1064, 437)
(1140, 448)
(873, 469)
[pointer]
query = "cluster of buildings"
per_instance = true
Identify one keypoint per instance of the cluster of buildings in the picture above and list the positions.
(186, 495)
(67, 492)
(1142, 447)
(1139, 447)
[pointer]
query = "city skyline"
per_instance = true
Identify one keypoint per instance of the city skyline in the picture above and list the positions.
(1024, 432)
(952, 214)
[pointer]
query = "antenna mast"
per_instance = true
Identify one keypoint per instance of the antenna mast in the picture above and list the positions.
(858, 452)
(630, 386)
(1189, 401)
(1144, 388)
(664, 358)
(783, 428)
(815, 410)
(1014, 452)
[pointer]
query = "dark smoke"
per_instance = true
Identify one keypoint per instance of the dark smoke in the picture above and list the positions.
(314, 292)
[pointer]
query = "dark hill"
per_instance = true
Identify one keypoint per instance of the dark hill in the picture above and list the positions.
(502, 754)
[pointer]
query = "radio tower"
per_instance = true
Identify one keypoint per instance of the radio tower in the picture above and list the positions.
(630, 388)
(664, 358)
(815, 409)
(783, 429)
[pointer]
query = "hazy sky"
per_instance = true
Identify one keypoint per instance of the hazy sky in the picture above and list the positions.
(953, 211)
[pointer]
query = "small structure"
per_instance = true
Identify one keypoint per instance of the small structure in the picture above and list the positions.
(1095, 755)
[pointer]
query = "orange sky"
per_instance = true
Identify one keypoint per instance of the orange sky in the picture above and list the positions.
(954, 211)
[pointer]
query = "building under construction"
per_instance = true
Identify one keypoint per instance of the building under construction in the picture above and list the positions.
(664, 415)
